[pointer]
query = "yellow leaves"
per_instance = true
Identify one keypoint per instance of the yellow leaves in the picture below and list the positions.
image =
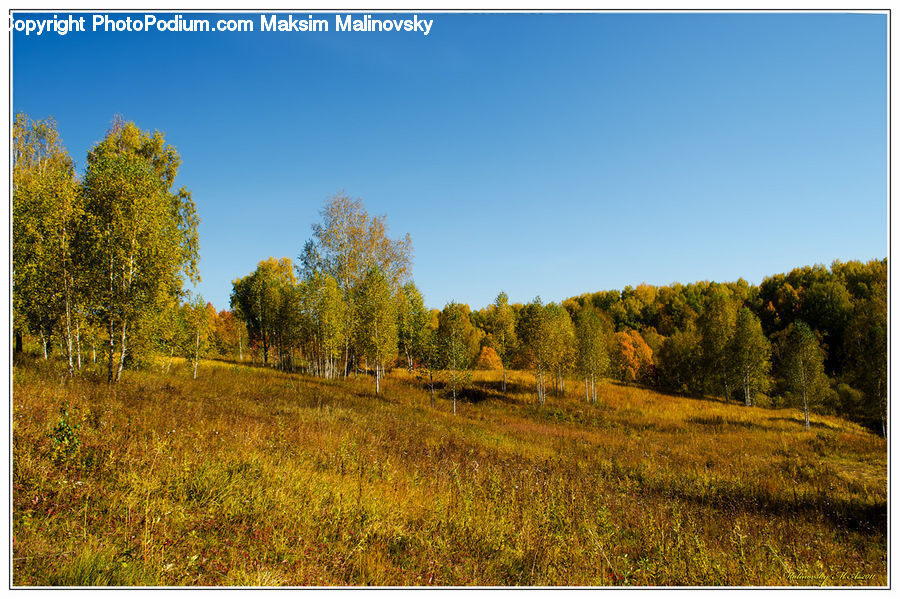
(632, 356)
(488, 360)
(350, 242)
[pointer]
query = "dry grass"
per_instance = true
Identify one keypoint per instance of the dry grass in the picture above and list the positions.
(253, 477)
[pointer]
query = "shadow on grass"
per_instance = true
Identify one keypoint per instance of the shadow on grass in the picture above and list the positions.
(721, 422)
(850, 514)
(685, 394)
(469, 394)
(846, 513)
(801, 423)
(473, 394)
(511, 387)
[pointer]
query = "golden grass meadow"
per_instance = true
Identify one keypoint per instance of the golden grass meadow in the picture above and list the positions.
(250, 476)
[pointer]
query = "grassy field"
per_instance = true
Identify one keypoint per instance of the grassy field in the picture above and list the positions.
(254, 477)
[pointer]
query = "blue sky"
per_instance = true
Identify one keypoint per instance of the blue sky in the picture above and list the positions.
(548, 155)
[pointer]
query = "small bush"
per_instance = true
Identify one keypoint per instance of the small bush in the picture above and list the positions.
(64, 439)
(488, 360)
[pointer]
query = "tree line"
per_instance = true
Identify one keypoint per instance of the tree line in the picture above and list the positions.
(100, 263)
(815, 338)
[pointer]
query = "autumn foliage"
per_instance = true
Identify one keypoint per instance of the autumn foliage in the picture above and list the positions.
(632, 357)
(488, 360)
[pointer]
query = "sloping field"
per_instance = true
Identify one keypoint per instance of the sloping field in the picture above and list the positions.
(253, 477)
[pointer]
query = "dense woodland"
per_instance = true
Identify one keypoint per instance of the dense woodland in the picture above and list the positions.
(100, 264)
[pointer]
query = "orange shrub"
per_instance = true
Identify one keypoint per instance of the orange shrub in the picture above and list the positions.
(488, 360)
(631, 356)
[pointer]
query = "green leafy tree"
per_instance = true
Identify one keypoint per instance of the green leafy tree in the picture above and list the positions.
(140, 235)
(454, 332)
(290, 322)
(802, 363)
(347, 244)
(592, 336)
(47, 209)
(412, 318)
(258, 298)
(502, 322)
(716, 327)
(195, 318)
(430, 355)
(827, 307)
(561, 341)
(325, 306)
(376, 334)
(750, 354)
(679, 360)
(166, 323)
(866, 347)
(533, 331)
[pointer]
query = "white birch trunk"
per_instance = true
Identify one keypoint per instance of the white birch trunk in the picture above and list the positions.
(112, 345)
(196, 354)
(122, 356)
(68, 326)
(805, 404)
(78, 343)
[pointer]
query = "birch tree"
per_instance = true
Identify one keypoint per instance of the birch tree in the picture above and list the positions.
(46, 211)
(750, 352)
(166, 323)
(454, 331)
(140, 234)
(533, 332)
(430, 355)
(376, 335)
(716, 327)
(412, 318)
(258, 297)
(503, 331)
(347, 244)
(195, 330)
(561, 342)
(325, 308)
(593, 353)
(802, 362)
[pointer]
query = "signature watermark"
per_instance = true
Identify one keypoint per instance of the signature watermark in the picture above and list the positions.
(826, 577)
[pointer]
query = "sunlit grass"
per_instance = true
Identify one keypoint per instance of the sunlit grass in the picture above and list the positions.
(249, 476)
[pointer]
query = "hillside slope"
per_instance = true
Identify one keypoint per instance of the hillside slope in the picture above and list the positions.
(251, 476)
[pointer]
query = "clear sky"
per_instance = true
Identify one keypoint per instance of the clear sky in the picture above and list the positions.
(550, 154)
